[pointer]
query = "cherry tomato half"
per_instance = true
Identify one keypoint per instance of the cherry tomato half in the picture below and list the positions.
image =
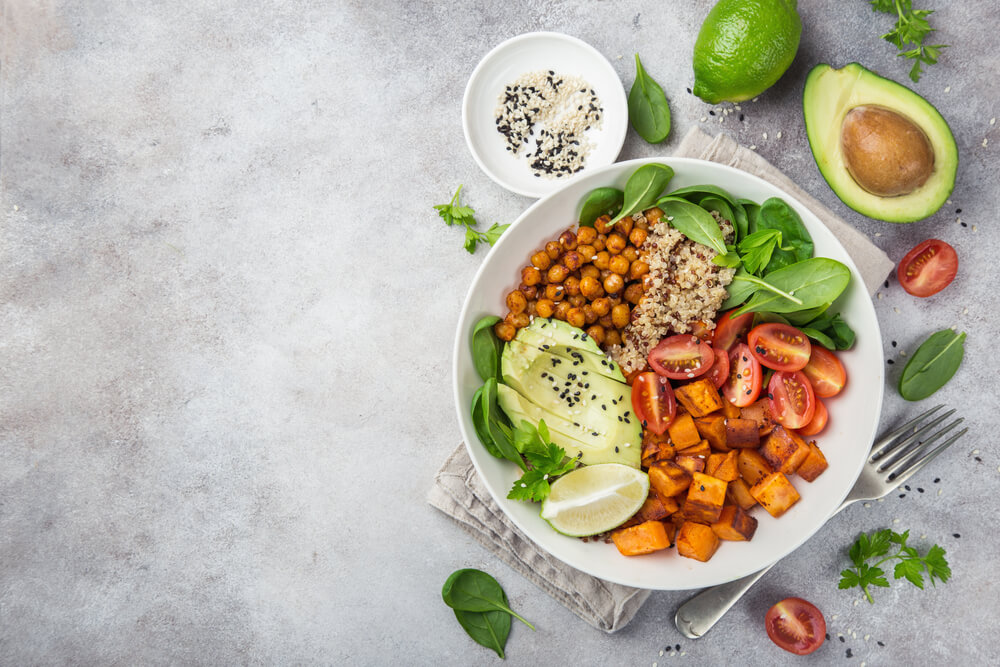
(743, 385)
(681, 357)
(653, 401)
(818, 422)
(701, 331)
(928, 268)
(792, 400)
(719, 372)
(729, 330)
(779, 346)
(796, 626)
(825, 372)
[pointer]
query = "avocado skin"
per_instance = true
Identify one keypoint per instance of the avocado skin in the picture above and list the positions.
(827, 97)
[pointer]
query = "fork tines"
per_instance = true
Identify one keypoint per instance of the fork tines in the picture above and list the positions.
(908, 448)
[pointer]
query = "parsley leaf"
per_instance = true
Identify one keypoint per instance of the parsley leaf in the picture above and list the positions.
(757, 248)
(547, 461)
(911, 28)
(910, 566)
(454, 213)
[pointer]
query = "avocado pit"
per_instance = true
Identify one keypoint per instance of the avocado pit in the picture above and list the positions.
(885, 153)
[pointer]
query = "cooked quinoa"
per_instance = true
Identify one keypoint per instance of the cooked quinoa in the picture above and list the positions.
(684, 287)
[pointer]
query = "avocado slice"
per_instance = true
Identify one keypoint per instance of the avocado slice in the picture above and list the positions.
(594, 362)
(562, 333)
(882, 148)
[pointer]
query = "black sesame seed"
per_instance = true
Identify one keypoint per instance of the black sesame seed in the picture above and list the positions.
(677, 647)
(849, 654)
(842, 640)
(894, 343)
(880, 643)
(689, 91)
(828, 635)
(887, 284)
(902, 495)
(956, 535)
(964, 225)
(890, 361)
(741, 118)
(907, 487)
(958, 210)
(919, 490)
(616, 449)
(711, 113)
(937, 479)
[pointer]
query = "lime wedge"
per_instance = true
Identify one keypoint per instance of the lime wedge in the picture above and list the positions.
(594, 499)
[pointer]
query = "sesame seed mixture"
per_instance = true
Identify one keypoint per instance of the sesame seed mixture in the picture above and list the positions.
(561, 108)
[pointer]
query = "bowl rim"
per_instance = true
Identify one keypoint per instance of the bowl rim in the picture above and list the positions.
(461, 341)
(467, 120)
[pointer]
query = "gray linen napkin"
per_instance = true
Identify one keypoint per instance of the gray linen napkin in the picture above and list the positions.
(459, 492)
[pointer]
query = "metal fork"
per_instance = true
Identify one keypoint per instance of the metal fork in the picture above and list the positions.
(894, 458)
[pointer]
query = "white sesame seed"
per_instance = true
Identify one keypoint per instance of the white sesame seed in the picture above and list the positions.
(683, 652)
(947, 201)
(878, 233)
(947, 89)
(836, 616)
(868, 504)
(628, 444)
(993, 121)
(965, 311)
(16, 207)
(953, 327)
(974, 228)
(850, 630)
(739, 108)
(940, 491)
(704, 118)
(545, 476)
(619, 57)
(880, 295)
(779, 135)
(722, 118)
(958, 221)
(863, 664)
(881, 500)
(654, 664)
(975, 451)
(867, 637)
(753, 147)
(855, 603)
(895, 309)
(754, 99)
(661, 653)
(895, 520)
(924, 536)
(764, 135)
(716, 109)
(902, 353)
(998, 468)
(985, 141)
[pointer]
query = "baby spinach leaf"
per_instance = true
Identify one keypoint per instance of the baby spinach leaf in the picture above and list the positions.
(753, 214)
(486, 348)
(932, 365)
(697, 192)
(721, 206)
(819, 337)
(602, 201)
(806, 284)
(796, 243)
(741, 222)
(647, 107)
(694, 222)
(739, 290)
(830, 329)
(804, 317)
(643, 187)
(496, 423)
(487, 628)
(474, 590)
(482, 426)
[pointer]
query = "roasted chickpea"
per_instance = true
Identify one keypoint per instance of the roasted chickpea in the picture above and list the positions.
(616, 243)
(516, 302)
(568, 240)
(576, 317)
(590, 287)
(614, 284)
(605, 273)
(572, 260)
(586, 235)
(589, 314)
(618, 264)
(642, 224)
(601, 225)
(600, 242)
(597, 333)
(589, 271)
(530, 275)
(554, 292)
(518, 320)
(557, 273)
(630, 253)
(612, 337)
(505, 331)
(653, 215)
(577, 300)
(615, 300)
(586, 253)
(606, 321)
(624, 226)
(602, 260)
(637, 237)
(601, 306)
(545, 307)
(633, 293)
(637, 269)
(529, 291)
(553, 250)
(541, 260)
(572, 285)
(561, 309)
(620, 316)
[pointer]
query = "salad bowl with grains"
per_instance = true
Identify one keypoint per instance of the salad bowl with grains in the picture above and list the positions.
(667, 373)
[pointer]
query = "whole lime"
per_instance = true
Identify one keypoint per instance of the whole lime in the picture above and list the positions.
(743, 48)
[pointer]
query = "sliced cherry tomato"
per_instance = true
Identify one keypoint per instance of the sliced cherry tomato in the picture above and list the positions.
(796, 626)
(701, 331)
(743, 386)
(681, 357)
(825, 372)
(792, 400)
(728, 331)
(719, 372)
(779, 346)
(653, 402)
(928, 268)
(818, 422)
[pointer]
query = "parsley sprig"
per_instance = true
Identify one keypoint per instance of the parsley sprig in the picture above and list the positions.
(547, 461)
(911, 565)
(453, 213)
(911, 28)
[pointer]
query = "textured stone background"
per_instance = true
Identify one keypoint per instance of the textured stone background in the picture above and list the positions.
(227, 315)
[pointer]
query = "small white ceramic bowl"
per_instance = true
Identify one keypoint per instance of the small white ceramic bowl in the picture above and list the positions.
(527, 53)
(854, 413)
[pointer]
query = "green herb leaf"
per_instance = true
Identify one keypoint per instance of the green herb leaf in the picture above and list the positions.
(547, 460)
(757, 248)
(481, 425)
(647, 107)
(697, 192)
(486, 628)
(602, 201)
(496, 423)
(740, 289)
(486, 348)
(476, 591)
(806, 284)
(911, 28)
(643, 188)
(910, 565)
(694, 222)
(494, 232)
(796, 243)
(455, 214)
(932, 365)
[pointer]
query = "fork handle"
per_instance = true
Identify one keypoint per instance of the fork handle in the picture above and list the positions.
(697, 616)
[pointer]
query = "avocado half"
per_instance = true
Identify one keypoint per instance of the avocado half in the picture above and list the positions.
(830, 94)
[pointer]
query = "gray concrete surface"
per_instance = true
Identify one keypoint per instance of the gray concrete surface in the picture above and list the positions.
(227, 315)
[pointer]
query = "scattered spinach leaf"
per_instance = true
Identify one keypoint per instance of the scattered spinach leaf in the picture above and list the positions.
(819, 337)
(932, 365)
(721, 206)
(806, 284)
(486, 628)
(694, 222)
(804, 317)
(643, 187)
(486, 348)
(647, 106)
(796, 243)
(601, 201)
(476, 591)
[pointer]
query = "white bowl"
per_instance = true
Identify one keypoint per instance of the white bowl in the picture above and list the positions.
(527, 53)
(845, 441)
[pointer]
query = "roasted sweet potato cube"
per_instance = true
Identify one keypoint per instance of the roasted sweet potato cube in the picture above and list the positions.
(697, 541)
(699, 398)
(735, 524)
(729, 411)
(671, 529)
(644, 538)
(683, 432)
(752, 466)
(713, 463)
(739, 493)
(652, 510)
(668, 479)
(701, 449)
(775, 493)
(742, 434)
(814, 465)
(760, 412)
(713, 429)
(728, 469)
(784, 450)
(650, 452)
(705, 498)
(690, 463)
